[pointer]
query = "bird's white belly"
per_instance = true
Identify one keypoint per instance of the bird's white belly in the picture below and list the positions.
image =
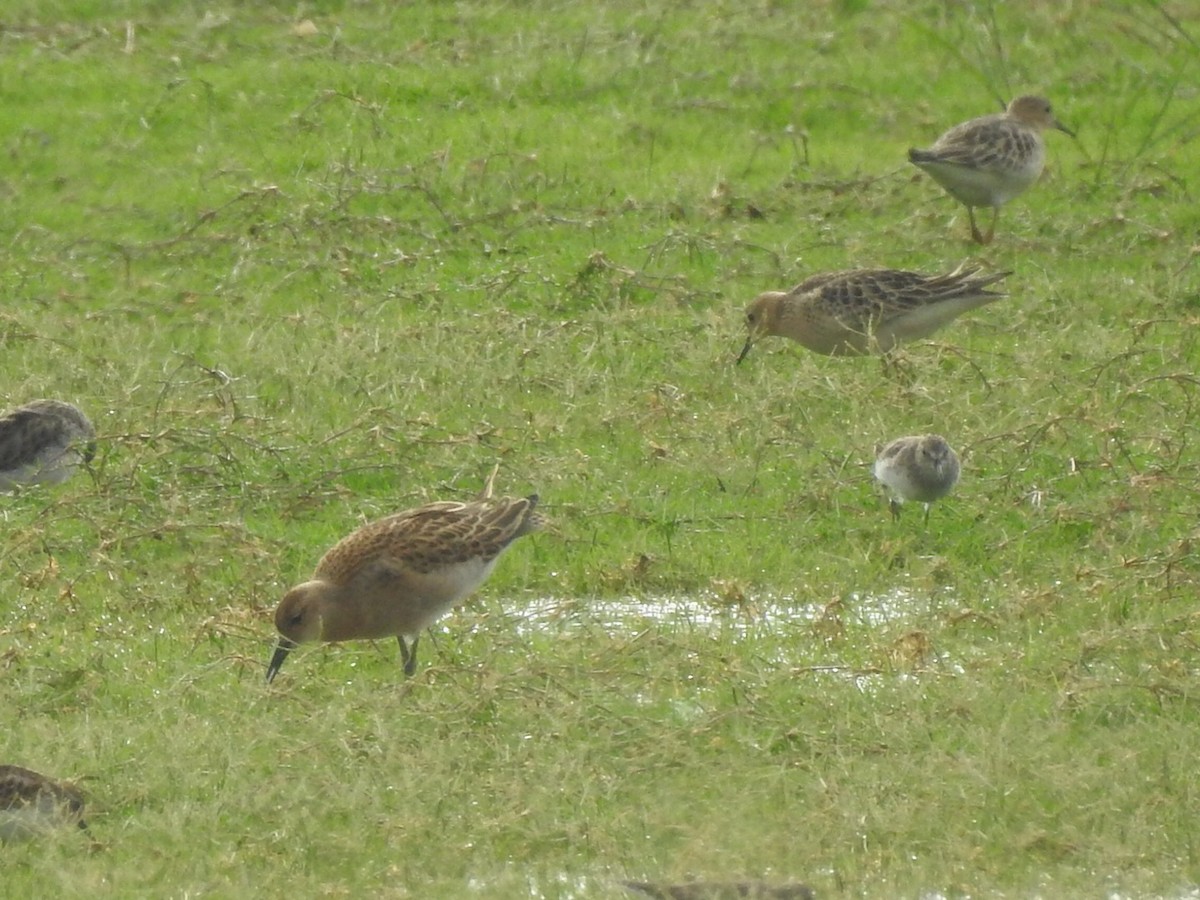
(440, 590)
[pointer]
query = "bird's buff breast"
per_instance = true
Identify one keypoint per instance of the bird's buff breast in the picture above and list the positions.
(408, 602)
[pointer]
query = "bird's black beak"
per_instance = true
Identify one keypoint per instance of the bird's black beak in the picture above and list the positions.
(745, 349)
(282, 649)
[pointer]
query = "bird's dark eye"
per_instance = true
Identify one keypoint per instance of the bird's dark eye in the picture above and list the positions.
(296, 619)
(750, 318)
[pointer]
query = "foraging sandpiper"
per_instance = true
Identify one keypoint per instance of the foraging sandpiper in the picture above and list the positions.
(43, 441)
(867, 310)
(32, 804)
(397, 576)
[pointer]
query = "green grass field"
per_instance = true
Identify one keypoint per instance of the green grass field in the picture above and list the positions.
(301, 280)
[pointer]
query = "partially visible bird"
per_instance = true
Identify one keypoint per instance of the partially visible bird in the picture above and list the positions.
(397, 576)
(718, 890)
(32, 804)
(43, 441)
(867, 310)
(921, 467)
(989, 160)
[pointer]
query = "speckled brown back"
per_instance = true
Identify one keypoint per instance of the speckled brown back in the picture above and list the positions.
(985, 142)
(860, 296)
(433, 536)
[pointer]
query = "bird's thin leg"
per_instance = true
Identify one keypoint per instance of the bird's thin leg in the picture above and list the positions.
(992, 230)
(894, 505)
(408, 655)
(975, 232)
(927, 505)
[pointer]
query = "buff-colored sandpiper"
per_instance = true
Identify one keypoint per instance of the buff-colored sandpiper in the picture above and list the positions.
(921, 467)
(43, 441)
(397, 576)
(32, 804)
(867, 310)
(989, 160)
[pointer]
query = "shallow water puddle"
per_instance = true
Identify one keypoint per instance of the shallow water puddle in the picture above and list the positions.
(710, 610)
